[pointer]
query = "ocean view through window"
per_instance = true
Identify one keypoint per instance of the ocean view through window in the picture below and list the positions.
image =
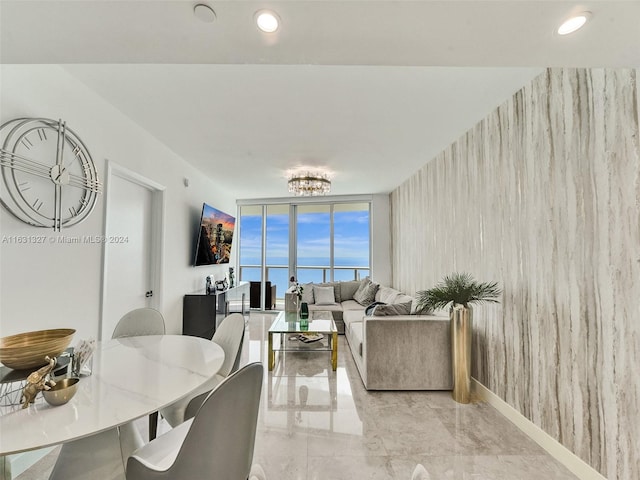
(313, 242)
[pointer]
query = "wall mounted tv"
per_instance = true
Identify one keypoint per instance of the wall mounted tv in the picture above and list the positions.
(214, 237)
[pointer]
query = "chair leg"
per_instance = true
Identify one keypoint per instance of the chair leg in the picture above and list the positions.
(153, 425)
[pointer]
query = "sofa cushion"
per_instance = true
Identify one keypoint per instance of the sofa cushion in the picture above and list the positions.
(351, 316)
(307, 293)
(387, 295)
(351, 305)
(330, 308)
(348, 289)
(324, 295)
(392, 309)
(366, 293)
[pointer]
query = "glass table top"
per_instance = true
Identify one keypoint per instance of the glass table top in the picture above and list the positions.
(289, 322)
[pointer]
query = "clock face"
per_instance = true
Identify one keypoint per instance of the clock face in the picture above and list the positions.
(48, 176)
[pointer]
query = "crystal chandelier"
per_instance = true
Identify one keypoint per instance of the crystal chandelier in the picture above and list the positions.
(309, 184)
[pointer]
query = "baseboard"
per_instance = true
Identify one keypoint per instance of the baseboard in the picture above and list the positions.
(574, 464)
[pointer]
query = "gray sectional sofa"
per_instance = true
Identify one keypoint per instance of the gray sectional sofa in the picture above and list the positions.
(394, 352)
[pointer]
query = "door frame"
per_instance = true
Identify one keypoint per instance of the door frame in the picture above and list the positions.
(157, 190)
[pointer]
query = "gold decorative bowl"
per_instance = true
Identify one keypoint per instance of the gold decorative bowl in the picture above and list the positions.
(61, 392)
(27, 350)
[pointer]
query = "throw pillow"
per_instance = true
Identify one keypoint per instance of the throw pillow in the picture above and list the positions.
(348, 289)
(324, 295)
(307, 293)
(366, 293)
(393, 309)
(336, 290)
(387, 294)
(406, 298)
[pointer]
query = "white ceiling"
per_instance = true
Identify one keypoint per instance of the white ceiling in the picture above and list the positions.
(368, 90)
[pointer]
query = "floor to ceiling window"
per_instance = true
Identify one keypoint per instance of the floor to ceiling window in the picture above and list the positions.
(277, 247)
(351, 242)
(251, 242)
(314, 242)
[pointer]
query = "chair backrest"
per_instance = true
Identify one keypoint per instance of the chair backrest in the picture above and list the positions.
(141, 321)
(420, 473)
(221, 439)
(229, 336)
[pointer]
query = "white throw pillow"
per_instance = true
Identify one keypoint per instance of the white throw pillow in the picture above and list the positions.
(387, 294)
(324, 295)
(307, 293)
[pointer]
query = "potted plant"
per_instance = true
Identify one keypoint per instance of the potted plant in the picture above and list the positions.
(459, 290)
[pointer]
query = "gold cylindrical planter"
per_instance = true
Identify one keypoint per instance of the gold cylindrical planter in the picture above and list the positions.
(461, 329)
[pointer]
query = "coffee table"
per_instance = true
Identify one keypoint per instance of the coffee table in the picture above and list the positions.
(288, 323)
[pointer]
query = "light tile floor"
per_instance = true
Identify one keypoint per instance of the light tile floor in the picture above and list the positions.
(316, 424)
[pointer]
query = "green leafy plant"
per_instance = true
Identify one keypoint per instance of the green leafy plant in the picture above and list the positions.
(457, 288)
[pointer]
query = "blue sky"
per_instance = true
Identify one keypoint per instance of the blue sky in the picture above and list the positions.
(351, 239)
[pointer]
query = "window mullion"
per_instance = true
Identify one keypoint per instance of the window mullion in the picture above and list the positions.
(331, 245)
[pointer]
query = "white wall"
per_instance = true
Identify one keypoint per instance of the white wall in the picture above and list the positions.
(58, 285)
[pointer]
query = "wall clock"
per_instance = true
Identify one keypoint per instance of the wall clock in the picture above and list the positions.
(48, 176)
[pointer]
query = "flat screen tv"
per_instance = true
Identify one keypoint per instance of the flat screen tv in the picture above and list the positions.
(214, 237)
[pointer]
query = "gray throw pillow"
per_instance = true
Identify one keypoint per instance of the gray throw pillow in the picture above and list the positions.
(366, 293)
(392, 309)
(336, 290)
(324, 295)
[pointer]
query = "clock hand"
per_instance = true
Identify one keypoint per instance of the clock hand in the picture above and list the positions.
(79, 182)
(26, 165)
(23, 164)
(60, 145)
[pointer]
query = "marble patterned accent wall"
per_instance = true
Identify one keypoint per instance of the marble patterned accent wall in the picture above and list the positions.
(543, 196)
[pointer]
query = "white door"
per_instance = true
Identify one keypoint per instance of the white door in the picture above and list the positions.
(130, 256)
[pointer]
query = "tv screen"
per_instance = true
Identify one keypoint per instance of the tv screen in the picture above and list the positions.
(215, 237)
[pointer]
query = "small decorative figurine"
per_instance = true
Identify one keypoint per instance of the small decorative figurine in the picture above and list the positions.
(209, 285)
(37, 381)
(232, 278)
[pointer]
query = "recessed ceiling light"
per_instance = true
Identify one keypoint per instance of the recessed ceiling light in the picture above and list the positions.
(204, 12)
(267, 21)
(574, 23)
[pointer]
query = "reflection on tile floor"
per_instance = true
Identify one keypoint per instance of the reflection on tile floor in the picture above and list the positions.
(317, 424)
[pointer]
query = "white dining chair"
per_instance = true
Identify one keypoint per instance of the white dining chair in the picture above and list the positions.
(420, 473)
(138, 322)
(218, 442)
(257, 472)
(229, 335)
(104, 454)
(141, 321)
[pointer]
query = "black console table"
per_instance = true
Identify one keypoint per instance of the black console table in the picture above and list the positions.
(202, 313)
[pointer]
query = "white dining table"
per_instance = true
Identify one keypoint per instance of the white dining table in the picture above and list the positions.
(131, 378)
